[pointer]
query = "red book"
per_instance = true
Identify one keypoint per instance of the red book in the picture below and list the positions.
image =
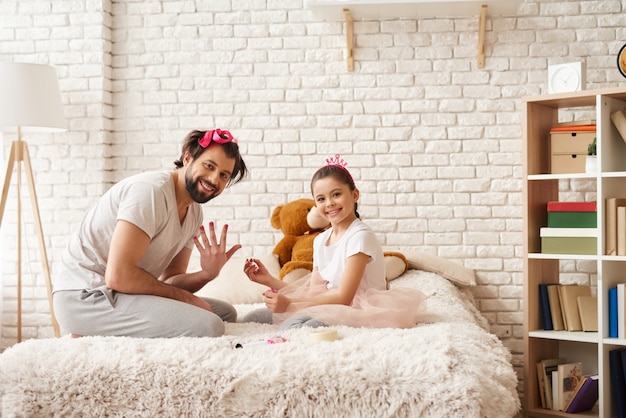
(572, 207)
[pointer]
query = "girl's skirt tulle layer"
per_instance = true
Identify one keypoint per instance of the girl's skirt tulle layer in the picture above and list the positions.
(373, 308)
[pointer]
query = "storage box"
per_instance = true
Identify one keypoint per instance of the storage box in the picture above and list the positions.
(569, 151)
(569, 240)
(572, 214)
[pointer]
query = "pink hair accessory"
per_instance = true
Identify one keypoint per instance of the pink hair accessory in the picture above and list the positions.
(337, 160)
(218, 135)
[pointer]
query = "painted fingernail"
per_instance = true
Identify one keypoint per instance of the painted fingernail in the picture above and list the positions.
(202, 227)
(211, 224)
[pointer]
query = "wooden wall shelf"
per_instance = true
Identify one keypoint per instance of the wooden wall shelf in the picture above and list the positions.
(410, 9)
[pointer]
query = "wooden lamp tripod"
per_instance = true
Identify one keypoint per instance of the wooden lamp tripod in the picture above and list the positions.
(30, 99)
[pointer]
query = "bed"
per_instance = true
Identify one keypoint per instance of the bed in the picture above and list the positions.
(448, 366)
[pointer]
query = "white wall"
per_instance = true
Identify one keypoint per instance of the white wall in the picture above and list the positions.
(433, 142)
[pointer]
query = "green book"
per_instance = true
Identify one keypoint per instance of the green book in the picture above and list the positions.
(572, 219)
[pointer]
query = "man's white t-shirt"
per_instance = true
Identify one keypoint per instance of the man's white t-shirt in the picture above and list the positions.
(331, 259)
(147, 200)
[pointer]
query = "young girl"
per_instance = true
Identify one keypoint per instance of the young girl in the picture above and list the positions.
(347, 285)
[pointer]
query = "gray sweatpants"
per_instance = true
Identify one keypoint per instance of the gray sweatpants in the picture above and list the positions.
(104, 312)
(264, 316)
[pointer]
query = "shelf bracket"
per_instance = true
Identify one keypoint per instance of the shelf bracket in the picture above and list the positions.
(481, 36)
(349, 40)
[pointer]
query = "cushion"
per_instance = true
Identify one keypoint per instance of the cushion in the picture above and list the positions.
(451, 270)
(233, 286)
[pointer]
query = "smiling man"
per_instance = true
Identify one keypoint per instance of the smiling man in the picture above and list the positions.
(124, 272)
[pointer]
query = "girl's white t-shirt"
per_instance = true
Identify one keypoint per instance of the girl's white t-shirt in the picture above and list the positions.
(331, 259)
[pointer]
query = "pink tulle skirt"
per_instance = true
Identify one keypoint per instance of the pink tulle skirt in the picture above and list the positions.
(372, 308)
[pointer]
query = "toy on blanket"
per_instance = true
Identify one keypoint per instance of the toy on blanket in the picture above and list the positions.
(301, 222)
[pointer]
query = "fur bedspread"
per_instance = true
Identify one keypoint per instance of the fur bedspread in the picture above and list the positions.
(448, 367)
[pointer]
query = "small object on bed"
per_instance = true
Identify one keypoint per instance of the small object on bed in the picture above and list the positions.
(272, 340)
(324, 334)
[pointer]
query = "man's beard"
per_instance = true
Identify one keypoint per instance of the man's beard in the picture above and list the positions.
(193, 188)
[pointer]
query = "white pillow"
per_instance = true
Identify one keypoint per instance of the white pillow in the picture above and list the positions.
(453, 271)
(233, 286)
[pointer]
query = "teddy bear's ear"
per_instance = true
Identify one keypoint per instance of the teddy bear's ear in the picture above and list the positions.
(275, 220)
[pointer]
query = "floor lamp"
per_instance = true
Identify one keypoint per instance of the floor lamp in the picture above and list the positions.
(29, 101)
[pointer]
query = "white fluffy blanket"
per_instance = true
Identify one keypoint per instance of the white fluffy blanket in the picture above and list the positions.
(451, 367)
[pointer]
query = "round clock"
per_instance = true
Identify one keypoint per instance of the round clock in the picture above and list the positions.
(565, 79)
(621, 61)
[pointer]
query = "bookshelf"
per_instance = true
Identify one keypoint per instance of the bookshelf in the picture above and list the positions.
(540, 113)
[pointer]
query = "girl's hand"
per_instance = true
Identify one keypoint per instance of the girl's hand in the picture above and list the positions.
(257, 272)
(213, 254)
(276, 302)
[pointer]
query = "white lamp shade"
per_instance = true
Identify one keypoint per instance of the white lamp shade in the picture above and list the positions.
(30, 97)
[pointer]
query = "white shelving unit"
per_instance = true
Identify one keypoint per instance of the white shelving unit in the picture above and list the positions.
(540, 187)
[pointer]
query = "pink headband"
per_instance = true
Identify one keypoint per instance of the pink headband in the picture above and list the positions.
(219, 136)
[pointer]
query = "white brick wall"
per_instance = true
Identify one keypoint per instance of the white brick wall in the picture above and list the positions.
(433, 142)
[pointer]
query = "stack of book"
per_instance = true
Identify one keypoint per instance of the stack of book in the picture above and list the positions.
(572, 228)
(568, 307)
(563, 387)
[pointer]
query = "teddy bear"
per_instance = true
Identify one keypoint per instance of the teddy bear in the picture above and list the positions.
(301, 222)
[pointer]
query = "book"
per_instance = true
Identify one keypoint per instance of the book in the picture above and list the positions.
(621, 230)
(560, 291)
(547, 366)
(555, 307)
(588, 312)
(569, 304)
(613, 312)
(585, 396)
(618, 384)
(572, 206)
(622, 353)
(541, 384)
(611, 224)
(569, 374)
(621, 288)
(555, 390)
(544, 302)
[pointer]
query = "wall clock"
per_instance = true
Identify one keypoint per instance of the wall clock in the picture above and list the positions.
(621, 60)
(565, 78)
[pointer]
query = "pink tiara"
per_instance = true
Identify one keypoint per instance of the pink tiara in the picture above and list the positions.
(338, 161)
